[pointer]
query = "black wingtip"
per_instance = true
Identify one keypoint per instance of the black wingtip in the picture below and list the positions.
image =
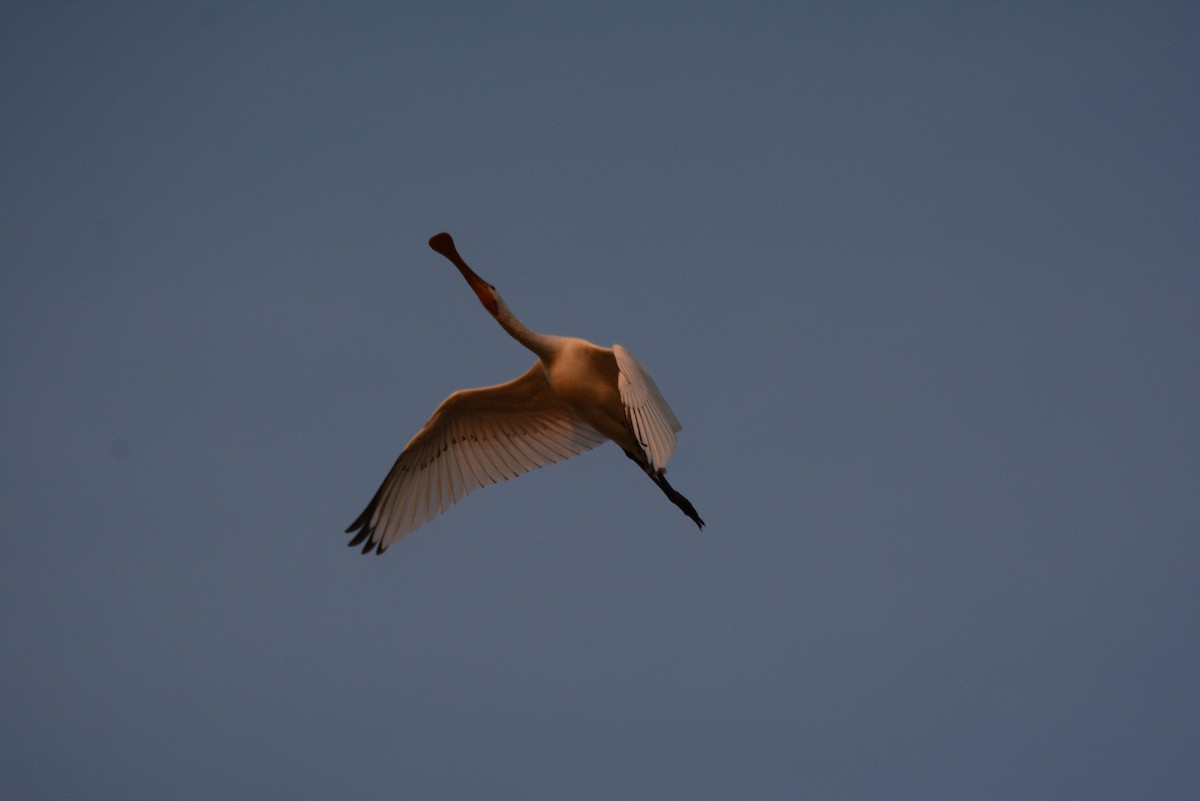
(359, 537)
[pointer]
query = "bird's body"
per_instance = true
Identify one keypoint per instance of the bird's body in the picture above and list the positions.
(576, 396)
(585, 376)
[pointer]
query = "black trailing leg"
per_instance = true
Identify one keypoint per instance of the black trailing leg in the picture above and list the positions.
(675, 498)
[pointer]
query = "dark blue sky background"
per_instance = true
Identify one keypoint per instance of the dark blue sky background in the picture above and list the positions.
(921, 281)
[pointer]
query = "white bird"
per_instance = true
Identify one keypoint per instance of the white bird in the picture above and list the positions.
(576, 396)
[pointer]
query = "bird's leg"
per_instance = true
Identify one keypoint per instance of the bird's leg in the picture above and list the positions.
(672, 495)
(677, 499)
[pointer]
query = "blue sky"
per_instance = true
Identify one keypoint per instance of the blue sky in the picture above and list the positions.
(921, 281)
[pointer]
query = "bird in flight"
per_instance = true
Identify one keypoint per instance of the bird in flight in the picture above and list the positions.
(575, 397)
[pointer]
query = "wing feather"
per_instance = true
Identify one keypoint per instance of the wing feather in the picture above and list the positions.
(476, 438)
(489, 473)
(653, 422)
(462, 463)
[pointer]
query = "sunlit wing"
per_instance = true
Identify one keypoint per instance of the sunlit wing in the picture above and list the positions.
(653, 422)
(477, 437)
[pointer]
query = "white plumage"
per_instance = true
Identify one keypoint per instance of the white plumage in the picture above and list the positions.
(652, 420)
(576, 396)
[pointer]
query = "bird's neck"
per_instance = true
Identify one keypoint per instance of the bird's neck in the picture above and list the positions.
(544, 345)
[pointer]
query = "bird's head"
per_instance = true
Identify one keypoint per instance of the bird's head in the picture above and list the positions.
(487, 294)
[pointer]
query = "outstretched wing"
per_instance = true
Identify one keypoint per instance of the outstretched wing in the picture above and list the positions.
(477, 437)
(653, 422)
